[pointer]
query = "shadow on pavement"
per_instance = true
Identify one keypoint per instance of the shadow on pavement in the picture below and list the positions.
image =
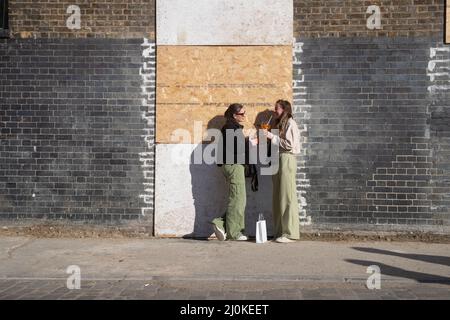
(388, 270)
(443, 260)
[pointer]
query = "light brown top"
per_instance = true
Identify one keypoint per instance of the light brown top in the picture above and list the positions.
(289, 140)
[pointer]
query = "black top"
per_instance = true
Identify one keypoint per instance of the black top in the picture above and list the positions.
(233, 153)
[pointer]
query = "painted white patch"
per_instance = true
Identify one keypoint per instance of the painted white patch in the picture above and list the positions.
(438, 70)
(74, 20)
(374, 21)
(435, 89)
(148, 76)
(224, 22)
(303, 109)
(434, 51)
(189, 196)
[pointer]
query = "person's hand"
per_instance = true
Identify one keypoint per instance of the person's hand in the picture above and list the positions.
(268, 134)
(254, 141)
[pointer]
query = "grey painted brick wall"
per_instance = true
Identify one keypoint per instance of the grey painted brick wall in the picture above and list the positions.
(72, 128)
(376, 139)
(375, 123)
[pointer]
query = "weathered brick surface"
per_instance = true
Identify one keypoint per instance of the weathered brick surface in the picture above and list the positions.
(377, 139)
(99, 18)
(347, 18)
(77, 138)
(312, 18)
(72, 128)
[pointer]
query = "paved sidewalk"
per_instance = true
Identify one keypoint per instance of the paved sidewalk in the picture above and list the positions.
(166, 289)
(189, 269)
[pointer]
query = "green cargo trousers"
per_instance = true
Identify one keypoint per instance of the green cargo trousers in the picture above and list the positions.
(285, 204)
(233, 222)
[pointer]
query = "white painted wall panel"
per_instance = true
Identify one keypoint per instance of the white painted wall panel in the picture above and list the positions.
(189, 196)
(224, 22)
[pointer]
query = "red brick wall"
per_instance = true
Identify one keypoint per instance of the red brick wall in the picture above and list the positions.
(347, 18)
(312, 18)
(99, 18)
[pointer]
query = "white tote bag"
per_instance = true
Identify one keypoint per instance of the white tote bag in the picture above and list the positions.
(261, 230)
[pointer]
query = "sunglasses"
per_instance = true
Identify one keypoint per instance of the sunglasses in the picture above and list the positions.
(240, 114)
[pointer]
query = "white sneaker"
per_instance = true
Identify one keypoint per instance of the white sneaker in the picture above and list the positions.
(220, 234)
(284, 240)
(242, 238)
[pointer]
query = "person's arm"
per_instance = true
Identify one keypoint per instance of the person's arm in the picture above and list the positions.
(287, 142)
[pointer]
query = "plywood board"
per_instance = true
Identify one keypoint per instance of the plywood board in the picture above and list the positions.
(224, 22)
(198, 84)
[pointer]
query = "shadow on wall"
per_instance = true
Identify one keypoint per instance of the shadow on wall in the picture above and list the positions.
(210, 192)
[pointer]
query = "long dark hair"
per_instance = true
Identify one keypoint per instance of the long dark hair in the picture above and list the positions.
(232, 110)
(287, 114)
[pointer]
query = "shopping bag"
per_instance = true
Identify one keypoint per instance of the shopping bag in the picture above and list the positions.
(261, 230)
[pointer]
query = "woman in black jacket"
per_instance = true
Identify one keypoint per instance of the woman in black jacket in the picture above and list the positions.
(232, 159)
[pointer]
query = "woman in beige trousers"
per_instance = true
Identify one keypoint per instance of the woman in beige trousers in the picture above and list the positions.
(284, 199)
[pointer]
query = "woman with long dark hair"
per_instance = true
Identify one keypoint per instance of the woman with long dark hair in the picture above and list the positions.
(232, 159)
(285, 203)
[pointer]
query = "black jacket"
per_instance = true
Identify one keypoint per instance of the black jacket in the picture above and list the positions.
(233, 153)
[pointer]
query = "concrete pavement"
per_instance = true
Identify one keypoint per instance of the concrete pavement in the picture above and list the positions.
(171, 268)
